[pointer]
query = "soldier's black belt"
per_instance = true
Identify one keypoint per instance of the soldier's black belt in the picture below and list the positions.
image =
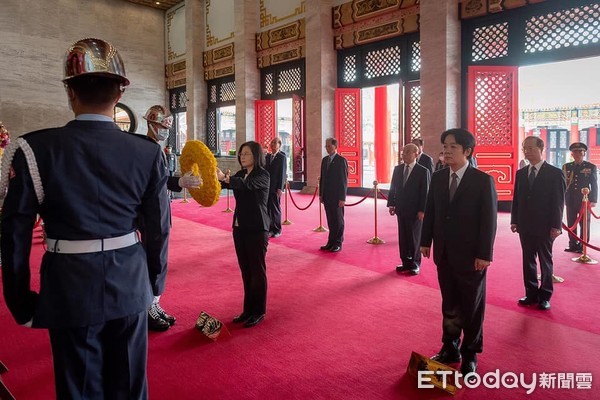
(91, 246)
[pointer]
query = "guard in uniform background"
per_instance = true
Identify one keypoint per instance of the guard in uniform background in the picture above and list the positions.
(88, 180)
(579, 174)
(160, 121)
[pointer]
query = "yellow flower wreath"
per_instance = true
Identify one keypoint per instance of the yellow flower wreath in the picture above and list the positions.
(199, 160)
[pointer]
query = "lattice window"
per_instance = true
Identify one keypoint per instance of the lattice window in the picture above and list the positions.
(348, 133)
(415, 112)
(493, 97)
(490, 42)
(227, 91)
(182, 100)
(212, 93)
(269, 83)
(563, 141)
(350, 72)
(415, 57)
(565, 28)
(178, 99)
(290, 80)
(211, 129)
(382, 62)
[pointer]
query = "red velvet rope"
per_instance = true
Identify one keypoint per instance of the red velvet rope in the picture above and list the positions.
(571, 229)
(571, 233)
(294, 202)
(382, 195)
(361, 200)
(592, 211)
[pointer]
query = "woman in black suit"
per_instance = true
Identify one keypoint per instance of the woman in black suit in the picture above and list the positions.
(250, 187)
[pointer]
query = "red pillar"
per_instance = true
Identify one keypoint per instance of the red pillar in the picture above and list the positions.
(383, 139)
(574, 134)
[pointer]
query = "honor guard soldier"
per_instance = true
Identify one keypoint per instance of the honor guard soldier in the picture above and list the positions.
(88, 180)
(160, 122)
(579, 174)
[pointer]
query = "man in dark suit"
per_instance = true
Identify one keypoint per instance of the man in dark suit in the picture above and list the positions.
(579, 174)
(277, 167)
(96, 279)
(160, 121)
(460, 219)
(406, 200)
(422, 158)
(537, 211)
(332, 193)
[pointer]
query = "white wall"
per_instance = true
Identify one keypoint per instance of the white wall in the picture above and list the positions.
(34, 36)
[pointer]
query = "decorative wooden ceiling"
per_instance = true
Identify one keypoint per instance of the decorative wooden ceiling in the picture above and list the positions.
(160, 4)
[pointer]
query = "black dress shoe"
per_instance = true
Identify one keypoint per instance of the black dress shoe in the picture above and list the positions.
(401, 268)
(163, 314)
(156, 323)
(276, 235)
(254, 320)
(326, 247)
(446, 356)
(414, 271)
(468, 365)
(335, 249)
(527, 301)
(243, 317)
(544, 305)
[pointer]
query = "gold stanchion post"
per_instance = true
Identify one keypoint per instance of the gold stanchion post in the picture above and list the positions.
(228, 209)
(287, 188)
(375, 239)
(584, 258)
(185, 200)
(320, 228)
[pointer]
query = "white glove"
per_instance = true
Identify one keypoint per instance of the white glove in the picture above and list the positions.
(190, 181)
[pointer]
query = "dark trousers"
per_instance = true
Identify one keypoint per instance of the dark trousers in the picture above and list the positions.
(274, 208)
(573, 208)
(335, 222)
(105, 361)
(409, 236)
(251, 249)
(540, 246)
(463, 308)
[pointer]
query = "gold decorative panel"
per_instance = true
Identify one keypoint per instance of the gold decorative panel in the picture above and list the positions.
(477, 8)
(175, 73)
(266, 18)
(279, 36)
(219, 55)
(219, 70)
(377, 29)
(293, 51)
(362, 10)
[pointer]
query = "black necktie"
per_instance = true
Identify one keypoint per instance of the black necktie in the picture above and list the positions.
(406, 171)
(531, 177)
(453, 185)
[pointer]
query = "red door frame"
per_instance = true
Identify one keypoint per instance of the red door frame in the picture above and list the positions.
(493, 117)
(348, 132)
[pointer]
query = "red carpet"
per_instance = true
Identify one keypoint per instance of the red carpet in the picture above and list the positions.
(338, 326)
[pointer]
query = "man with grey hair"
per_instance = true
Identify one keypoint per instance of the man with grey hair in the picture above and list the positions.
(406, 200)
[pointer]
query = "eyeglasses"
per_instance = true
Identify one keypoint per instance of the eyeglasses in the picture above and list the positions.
(245, 154)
